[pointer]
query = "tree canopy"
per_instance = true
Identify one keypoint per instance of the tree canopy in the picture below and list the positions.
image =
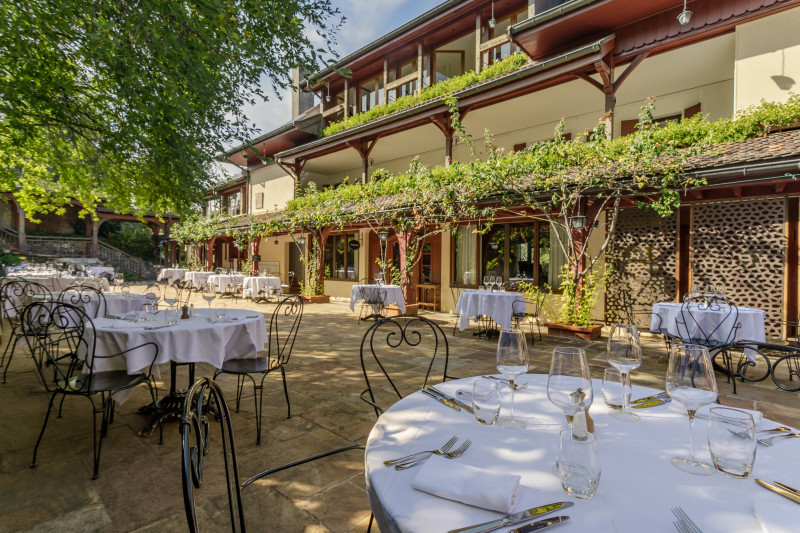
(127, 101)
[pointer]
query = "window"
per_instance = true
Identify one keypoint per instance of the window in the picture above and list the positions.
(448, 63)
(501, 28)
(517, 252)
(234, 203)
(465, 251)
(371, 93)
(341, 260)
(213, 206)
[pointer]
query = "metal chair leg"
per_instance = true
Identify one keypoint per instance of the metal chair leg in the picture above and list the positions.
(286, 393)
(44, 426)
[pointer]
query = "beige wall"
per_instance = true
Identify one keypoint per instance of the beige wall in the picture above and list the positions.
(767, 59)
(276, 186)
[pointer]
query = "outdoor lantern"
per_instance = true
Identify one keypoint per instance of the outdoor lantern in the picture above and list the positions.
(301, 241)
(494, 246)
(383, 235)
(686, 16)
(577, 222)
(492, 22)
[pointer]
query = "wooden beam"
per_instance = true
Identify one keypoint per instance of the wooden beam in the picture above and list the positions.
(497, 41)
(627, 72)
(402, 81)
(333, 110)
(593, 82)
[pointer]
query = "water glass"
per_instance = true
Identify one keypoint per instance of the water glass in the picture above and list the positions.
(126, 292)
(732, 441)
(171, 315)
(219, 311)
(485, 401)
(578, 464)
(613, 387)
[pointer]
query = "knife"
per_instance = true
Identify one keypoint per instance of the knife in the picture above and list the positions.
(450, 398)
(787, 487)
(649, 398)
(514, 518)
(783, 492)
(445, 401)
(651, 403)
(540, 524)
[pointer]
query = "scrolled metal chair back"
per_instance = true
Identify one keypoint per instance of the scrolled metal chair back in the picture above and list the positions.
(204, 405)
(403, 338)
(82, 296)
(15, 294)
(283, 327)
(691, 328)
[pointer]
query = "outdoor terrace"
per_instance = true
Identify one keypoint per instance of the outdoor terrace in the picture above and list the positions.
(139, 488)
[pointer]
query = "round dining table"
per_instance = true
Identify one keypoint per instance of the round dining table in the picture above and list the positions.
(116, 303)
(499, 306)
(172, 274)
(393, 294)
(253, 285)
(223, 281)
(638, 486)
(197, 279)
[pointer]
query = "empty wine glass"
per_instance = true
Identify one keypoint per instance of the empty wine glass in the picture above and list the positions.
(486, 279)
(569, 384)
(119, 279)
(691, 381)
(624, 352)
(498, 281)
(172, 295)
(209, 293)
(512, 362)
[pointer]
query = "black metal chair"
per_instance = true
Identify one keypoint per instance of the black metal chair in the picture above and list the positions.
(15, 294)
(529, 308)
(56, 333)
(372, 299)
(400, 340)
(283, 327)
(82, 296)
(205, 404)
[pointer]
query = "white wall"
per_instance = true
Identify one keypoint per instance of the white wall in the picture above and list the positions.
(276, 186)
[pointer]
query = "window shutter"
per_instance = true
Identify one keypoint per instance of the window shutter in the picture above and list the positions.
(691, 111)
(519, 147)
(628, 126)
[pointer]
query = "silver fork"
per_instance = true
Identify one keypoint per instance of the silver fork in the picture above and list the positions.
(439, 451)
(458, 452)
(684, 524)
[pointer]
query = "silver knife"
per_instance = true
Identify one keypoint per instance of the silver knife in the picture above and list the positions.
(445, 401)
(450, 398)
(540, 524)
(514, 518)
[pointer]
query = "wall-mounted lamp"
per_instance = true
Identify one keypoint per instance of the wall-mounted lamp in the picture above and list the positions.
(686, 16)
(492, 22)
(371, 162)
(328, 96)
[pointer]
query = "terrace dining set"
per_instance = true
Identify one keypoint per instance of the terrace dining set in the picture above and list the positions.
(259, 288)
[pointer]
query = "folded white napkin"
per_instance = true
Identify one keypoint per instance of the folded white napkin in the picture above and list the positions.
(677, 407)
(776, 514)
(453, 480)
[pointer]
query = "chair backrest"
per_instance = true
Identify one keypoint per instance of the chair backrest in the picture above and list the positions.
(16, 293)
(401, 339)
(83, 296)
(204, 405)
(283, 327)
(55, 336)
(694, 328)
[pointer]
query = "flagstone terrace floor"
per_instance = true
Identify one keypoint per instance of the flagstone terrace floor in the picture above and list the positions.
(139, 488)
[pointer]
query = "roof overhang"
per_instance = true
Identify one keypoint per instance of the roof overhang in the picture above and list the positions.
(528, 79)
(267, 145)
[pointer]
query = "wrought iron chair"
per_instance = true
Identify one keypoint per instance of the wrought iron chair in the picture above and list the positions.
(520, 312)
(205, 404)
(401, 338)
(283, 327)
(56, 333)
(717, 338)
(372, 299)
(15, 294)
(82, 296)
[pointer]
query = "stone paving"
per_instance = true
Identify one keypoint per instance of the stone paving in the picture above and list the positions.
(139, 488)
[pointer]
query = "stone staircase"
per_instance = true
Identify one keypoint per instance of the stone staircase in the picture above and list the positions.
(64, 246)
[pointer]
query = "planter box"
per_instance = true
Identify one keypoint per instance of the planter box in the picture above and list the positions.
(322, 299)
(583, 332)
(393, 310)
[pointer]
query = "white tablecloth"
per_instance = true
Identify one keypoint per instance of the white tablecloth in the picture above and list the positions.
(665, 315)
(252, 285)
(221, 281)
(172, 274)
(189, 341)
(116, 303)
(638, 485)
(95, 271)
(55, 284)
(497, 305)
(394, 294)
(197, 278)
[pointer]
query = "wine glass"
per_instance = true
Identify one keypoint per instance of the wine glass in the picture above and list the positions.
(209, 293)
(569, 384)
(171, 295)
(119, 279)
(512, 361)
(498, 281)
(624, 352)
(691, 381)
(486, 281)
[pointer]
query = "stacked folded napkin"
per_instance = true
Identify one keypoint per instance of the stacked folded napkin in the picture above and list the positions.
(776, 514)
(467, 484)
(677, 407)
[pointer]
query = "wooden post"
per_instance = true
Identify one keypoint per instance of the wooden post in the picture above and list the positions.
(96, 238)
(254, 245)
(385, 81)
(420, 66)
(210, 253)
(478, 39)
(346, 99)
(22, 240)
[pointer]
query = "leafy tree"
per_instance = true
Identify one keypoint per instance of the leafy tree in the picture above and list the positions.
(128, 100)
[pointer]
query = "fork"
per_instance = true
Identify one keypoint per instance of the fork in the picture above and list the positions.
(742, 435)
(444, 448)
(768, 442)
(516, 386)
(684, 524)
(458, 452)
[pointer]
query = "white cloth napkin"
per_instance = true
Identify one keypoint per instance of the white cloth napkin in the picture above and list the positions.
(776, 514)
(703, 412)
(450, 479)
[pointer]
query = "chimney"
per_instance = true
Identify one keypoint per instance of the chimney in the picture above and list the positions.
(302, 101)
